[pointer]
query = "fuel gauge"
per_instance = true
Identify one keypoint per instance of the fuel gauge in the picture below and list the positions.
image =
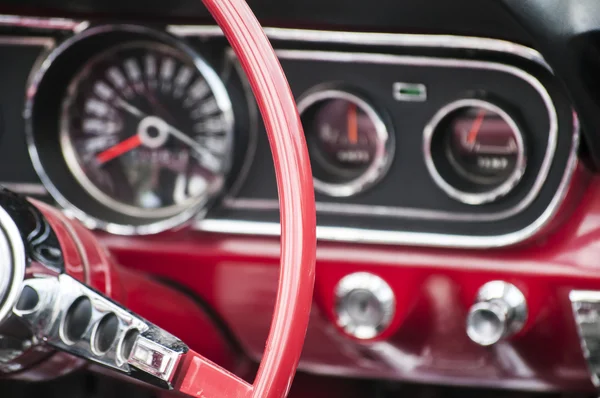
(349, 144)
(475, 151)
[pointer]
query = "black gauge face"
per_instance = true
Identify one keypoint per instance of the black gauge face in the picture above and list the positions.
(145, 131)
(343, 138)
(347, 142)
(481, 145)
(477, 151)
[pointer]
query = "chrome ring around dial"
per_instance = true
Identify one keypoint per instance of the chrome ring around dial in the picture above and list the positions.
(190, 149)
(442, 164)
(70, 65)
(320, 109)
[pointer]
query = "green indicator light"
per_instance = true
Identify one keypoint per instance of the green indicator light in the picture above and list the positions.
(413, 92)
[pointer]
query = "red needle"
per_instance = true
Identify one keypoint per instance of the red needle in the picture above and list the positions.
(352, 124)
(476, 127)
(119, 149)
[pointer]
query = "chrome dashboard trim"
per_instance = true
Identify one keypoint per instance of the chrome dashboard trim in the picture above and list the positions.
(368, 236)
(426, 214)
(40, 22)
(358, 235)
(373, 39)
(45, 42)
(376, 39)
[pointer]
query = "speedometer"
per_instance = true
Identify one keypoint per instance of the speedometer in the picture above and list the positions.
(146, 131)
(132, 131)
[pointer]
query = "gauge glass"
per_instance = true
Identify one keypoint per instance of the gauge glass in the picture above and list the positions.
(475, 151)
(147, 130)
(348, 143)
(482, 145)
(345, 139)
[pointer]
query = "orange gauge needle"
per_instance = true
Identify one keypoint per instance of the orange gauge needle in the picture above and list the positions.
(119, 149)
(352, 124)
(475, 127)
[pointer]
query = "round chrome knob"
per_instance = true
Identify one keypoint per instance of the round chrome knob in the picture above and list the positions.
(365, 305)
(499, 311)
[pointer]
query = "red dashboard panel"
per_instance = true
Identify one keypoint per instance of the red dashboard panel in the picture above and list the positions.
(237, 277)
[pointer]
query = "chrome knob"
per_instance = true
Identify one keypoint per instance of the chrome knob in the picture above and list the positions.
(365, 305)
(499, 311)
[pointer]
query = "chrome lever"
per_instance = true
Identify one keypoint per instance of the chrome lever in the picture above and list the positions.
(76, 319)
(41, 303)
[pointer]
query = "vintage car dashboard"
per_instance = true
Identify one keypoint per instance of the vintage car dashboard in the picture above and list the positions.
(432, 133)
(414, 139)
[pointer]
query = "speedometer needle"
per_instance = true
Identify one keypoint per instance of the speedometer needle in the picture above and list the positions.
(162, 131)
(162, 125)
(119, 149)
(129, 108)
(207, 158)
(158, 122)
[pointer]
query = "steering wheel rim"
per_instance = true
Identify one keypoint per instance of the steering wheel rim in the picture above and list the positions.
(297, 213)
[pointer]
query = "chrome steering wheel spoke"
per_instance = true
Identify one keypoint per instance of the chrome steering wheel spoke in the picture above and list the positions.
(45, 308)
(76, 319)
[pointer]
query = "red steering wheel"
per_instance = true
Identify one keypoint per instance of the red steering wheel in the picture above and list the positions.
(198, 377)
(85, 322)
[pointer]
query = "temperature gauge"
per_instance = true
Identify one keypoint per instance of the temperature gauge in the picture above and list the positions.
(475, 151)
(349, 144)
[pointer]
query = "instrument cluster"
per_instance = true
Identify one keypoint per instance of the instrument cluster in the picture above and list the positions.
(413, 139)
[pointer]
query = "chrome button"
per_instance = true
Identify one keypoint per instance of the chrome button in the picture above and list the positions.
(499, 311)
(365, 305)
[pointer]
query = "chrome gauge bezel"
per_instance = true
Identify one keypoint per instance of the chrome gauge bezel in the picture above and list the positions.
(474, 198)
(384, 150)
(143, 225)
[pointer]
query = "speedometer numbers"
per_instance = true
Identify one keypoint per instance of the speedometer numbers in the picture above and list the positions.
(143, 131)
(474, 151)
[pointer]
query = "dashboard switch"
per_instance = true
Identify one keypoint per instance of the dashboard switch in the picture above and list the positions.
(499, 311)
(365, 305)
